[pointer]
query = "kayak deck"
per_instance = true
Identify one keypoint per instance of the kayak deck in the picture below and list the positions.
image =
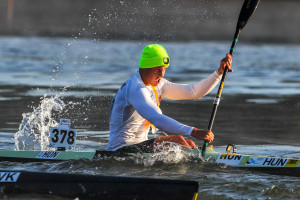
(266, 164)
(38, 156)
(274, 165)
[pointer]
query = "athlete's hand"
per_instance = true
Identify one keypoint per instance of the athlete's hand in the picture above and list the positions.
(227, 61)
(202, 134)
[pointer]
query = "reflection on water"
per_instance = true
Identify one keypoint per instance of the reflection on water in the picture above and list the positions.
(259, 110)
(259, 69)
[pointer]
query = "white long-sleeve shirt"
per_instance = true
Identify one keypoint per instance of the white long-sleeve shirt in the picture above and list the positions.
(135, 104)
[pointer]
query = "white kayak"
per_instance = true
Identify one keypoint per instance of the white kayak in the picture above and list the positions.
(274, 165)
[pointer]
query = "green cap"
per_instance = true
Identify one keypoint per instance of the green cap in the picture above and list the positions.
(154, 55)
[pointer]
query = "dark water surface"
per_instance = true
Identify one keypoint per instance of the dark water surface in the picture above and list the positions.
(77, 78)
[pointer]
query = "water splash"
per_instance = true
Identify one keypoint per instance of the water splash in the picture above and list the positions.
(34, 130)
(171, 153)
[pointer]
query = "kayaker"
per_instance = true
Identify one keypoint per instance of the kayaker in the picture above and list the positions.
(135, 107)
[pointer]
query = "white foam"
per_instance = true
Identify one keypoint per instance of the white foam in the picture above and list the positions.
(34, 130)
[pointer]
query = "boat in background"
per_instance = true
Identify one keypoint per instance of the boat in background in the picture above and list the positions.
(272, 165)
(21, 183)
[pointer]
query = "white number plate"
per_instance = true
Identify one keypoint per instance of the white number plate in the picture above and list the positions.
(62, 138)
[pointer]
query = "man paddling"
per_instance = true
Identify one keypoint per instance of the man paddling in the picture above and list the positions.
(135, 108)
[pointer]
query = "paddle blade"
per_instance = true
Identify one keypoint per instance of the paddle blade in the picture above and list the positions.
(247, 11)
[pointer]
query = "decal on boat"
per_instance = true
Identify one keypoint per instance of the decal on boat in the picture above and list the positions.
(266, 161)
(229, 159)
(48, 154)
(292, 163)
(9, 176)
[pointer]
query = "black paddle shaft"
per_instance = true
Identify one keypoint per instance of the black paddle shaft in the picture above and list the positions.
(247, 11)
(218, 97)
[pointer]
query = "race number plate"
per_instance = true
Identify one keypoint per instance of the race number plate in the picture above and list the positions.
(62, 138)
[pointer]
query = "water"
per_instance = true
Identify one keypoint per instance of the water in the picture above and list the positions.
(46, 79)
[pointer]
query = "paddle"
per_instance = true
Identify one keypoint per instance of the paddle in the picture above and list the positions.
(247, 11)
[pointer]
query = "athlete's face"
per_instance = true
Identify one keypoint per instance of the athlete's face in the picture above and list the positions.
(153, 76)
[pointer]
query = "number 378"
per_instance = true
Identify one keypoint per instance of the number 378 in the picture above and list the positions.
(63, 136)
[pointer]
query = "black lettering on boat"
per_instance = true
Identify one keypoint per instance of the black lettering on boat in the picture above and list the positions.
(282, 162)
(272, 162)
(275, 162)
(292, 162)
(238, 157)
(45, 155)
(268, 161)
(48, 154)
(230, 157)
(2, 175)
(9, 176)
